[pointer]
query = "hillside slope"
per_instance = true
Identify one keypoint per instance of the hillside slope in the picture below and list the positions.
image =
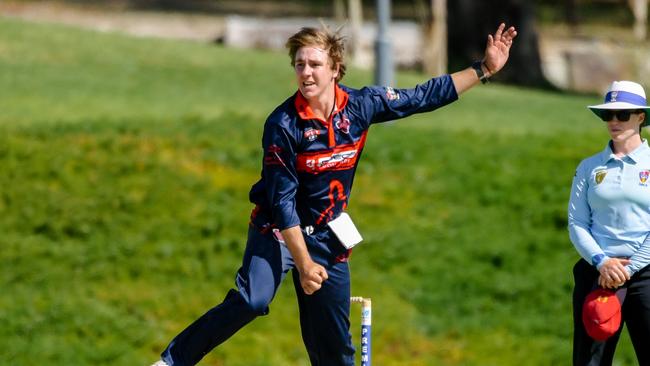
(126, 165)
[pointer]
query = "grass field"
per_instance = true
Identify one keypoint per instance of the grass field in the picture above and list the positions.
(125, 166)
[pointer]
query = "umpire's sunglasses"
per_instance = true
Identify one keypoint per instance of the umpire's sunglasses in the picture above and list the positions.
(622, 115)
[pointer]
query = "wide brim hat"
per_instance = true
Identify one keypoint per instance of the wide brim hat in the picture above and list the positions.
(624, 95)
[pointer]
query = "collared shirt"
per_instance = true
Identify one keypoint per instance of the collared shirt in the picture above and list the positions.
(309, 163)
(609, 207)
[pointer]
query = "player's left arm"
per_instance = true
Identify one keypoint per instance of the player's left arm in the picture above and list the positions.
(312, 275)
(386, 103)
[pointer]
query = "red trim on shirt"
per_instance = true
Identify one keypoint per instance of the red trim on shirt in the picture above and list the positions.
(305, 111)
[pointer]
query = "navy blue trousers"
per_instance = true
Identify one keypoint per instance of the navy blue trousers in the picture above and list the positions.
(324, 315)
(635, 313)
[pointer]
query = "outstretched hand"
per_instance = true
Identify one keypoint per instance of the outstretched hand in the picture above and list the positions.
(498, 46)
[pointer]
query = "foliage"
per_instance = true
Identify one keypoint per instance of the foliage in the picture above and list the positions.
(126, 165)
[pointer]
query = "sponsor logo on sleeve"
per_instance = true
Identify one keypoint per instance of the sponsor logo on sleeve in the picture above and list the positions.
(272, 156)
(391, 94)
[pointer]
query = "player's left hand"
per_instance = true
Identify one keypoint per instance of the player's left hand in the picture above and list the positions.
(497, 49)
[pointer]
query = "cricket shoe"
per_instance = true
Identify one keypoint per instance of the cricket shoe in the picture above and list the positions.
(160, 363)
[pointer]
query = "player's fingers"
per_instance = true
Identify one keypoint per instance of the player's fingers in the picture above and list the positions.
(310, 287)
(323, 274)
(497, 34)
(316, 277)
(509, 34)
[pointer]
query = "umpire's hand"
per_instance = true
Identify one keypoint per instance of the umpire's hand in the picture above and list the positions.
(613, 273)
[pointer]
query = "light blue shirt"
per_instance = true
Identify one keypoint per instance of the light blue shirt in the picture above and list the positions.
(609, 207)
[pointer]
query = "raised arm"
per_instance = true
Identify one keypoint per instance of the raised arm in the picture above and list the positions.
(497, 51)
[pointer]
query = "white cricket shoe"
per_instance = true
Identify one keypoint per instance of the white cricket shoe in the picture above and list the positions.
(160, 363)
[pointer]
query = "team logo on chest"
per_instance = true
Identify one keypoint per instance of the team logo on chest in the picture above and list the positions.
(600, 176)
(311, 134)
(343, 124)
(643, 177)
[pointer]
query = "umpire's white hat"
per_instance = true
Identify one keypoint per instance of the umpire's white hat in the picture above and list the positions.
(624, 95)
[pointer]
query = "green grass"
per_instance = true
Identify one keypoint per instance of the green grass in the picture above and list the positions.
(126, 165)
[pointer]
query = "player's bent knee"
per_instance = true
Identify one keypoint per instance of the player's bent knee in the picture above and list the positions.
(259, 306)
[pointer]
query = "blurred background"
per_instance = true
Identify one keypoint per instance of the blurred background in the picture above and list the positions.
(576, 45)
(130, 135)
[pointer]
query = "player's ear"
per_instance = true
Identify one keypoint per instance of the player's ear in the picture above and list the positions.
(336, 69)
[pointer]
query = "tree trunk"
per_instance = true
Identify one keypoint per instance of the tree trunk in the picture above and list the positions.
(640, 11)
(355, 15)
(471, 21)
(435, 51)
(571, 12)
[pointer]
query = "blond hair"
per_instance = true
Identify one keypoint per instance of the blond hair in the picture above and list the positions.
(333, 43)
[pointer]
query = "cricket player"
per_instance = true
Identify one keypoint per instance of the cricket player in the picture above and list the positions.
(312, 144)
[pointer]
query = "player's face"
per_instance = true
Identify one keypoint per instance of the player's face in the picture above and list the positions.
(314, 73)
(623, 130)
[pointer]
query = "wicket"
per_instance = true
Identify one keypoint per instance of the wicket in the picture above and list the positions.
(366, 323)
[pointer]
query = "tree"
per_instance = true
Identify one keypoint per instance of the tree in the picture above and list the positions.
(471, 21)
(640, 11)
(435, 37)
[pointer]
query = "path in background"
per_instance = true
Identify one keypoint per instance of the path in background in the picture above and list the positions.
(233, 30)
(134, 22)
(584, 61)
